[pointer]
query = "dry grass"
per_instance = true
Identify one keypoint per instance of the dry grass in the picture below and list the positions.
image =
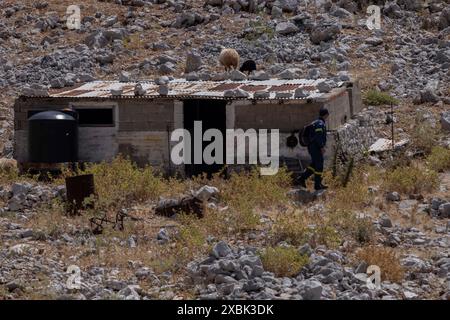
(283, 261)
(411, 180)
(386, 258)
(246, 193)
(292, 228)
(439, 159)
(356, 194)
(423, 135)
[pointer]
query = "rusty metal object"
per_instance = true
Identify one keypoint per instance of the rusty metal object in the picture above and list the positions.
(78, 189)
(98, 223)
(187, 205)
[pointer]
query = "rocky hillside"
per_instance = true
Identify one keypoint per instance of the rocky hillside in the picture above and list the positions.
(404, 219)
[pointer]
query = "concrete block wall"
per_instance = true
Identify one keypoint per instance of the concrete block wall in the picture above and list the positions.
(355, 97)
(144, 131)
(286, 117)
(139, 131)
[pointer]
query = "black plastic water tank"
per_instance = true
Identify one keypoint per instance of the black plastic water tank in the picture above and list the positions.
(52, 137)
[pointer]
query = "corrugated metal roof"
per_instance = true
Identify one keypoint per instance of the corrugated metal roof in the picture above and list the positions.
(181, 88)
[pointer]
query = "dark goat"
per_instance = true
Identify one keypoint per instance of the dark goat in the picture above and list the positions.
(248, 66)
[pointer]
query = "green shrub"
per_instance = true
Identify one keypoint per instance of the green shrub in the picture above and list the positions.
(411, 180)
(377, 98)
(439, 159)
(283, 261)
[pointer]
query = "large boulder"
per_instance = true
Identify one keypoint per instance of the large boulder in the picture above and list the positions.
(445, 121)
(444, 18)
(287, 5)
(324, 32)
(102, 38)
(286, 28)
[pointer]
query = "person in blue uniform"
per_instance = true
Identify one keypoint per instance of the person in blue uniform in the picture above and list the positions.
(316, 149)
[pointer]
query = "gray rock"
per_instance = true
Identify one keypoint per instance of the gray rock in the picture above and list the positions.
(193, 76)
(21, 189)
(163, 89)
(300, 93)
(167, 68)
(374, 41)
(287, 5)
(139, 90)
(445, 120)
(286, 28)
(287, 74)
(444, 210)
(124, 76)
(261, 94)
(116, 92)
(252, 285)
(28, 233)
(385, 222)
(283, 95)
(163, 236)
(162, 80)
(260, 75)
(236, 75)
(393, 196)
(341, 13)
(310, 289)
(276, 12)
(251, 261)
(314, 74)
(324, 33)
(237, 93)
(206, 192)
(15, 204)
(429, 94)
(325, 86)
(193, 62)
(57, 83)
(221, 250)
(305, 250)
(110, 21)
(115, 285)
(34, 90)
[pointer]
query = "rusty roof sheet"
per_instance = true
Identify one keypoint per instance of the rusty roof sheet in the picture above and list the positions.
(183, 89)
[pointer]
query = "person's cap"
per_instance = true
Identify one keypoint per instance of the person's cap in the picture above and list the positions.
(323, 112)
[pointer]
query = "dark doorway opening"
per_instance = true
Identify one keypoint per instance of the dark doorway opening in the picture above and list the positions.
(212, 114)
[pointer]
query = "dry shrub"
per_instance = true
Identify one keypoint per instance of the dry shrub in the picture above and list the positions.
(283, 261)
(411, 180)
(247, 192)
(121, 181)
(356, 194)
(439, 159)
(349, 224)
(301, 227)
(291, 228)
(424, 136)
(384, 257)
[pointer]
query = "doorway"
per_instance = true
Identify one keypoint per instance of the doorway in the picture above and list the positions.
(212, 114)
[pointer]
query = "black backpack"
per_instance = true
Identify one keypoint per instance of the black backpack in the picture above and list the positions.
(306, 135)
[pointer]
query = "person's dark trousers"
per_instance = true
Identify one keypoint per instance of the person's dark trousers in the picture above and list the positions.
(316, 166)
